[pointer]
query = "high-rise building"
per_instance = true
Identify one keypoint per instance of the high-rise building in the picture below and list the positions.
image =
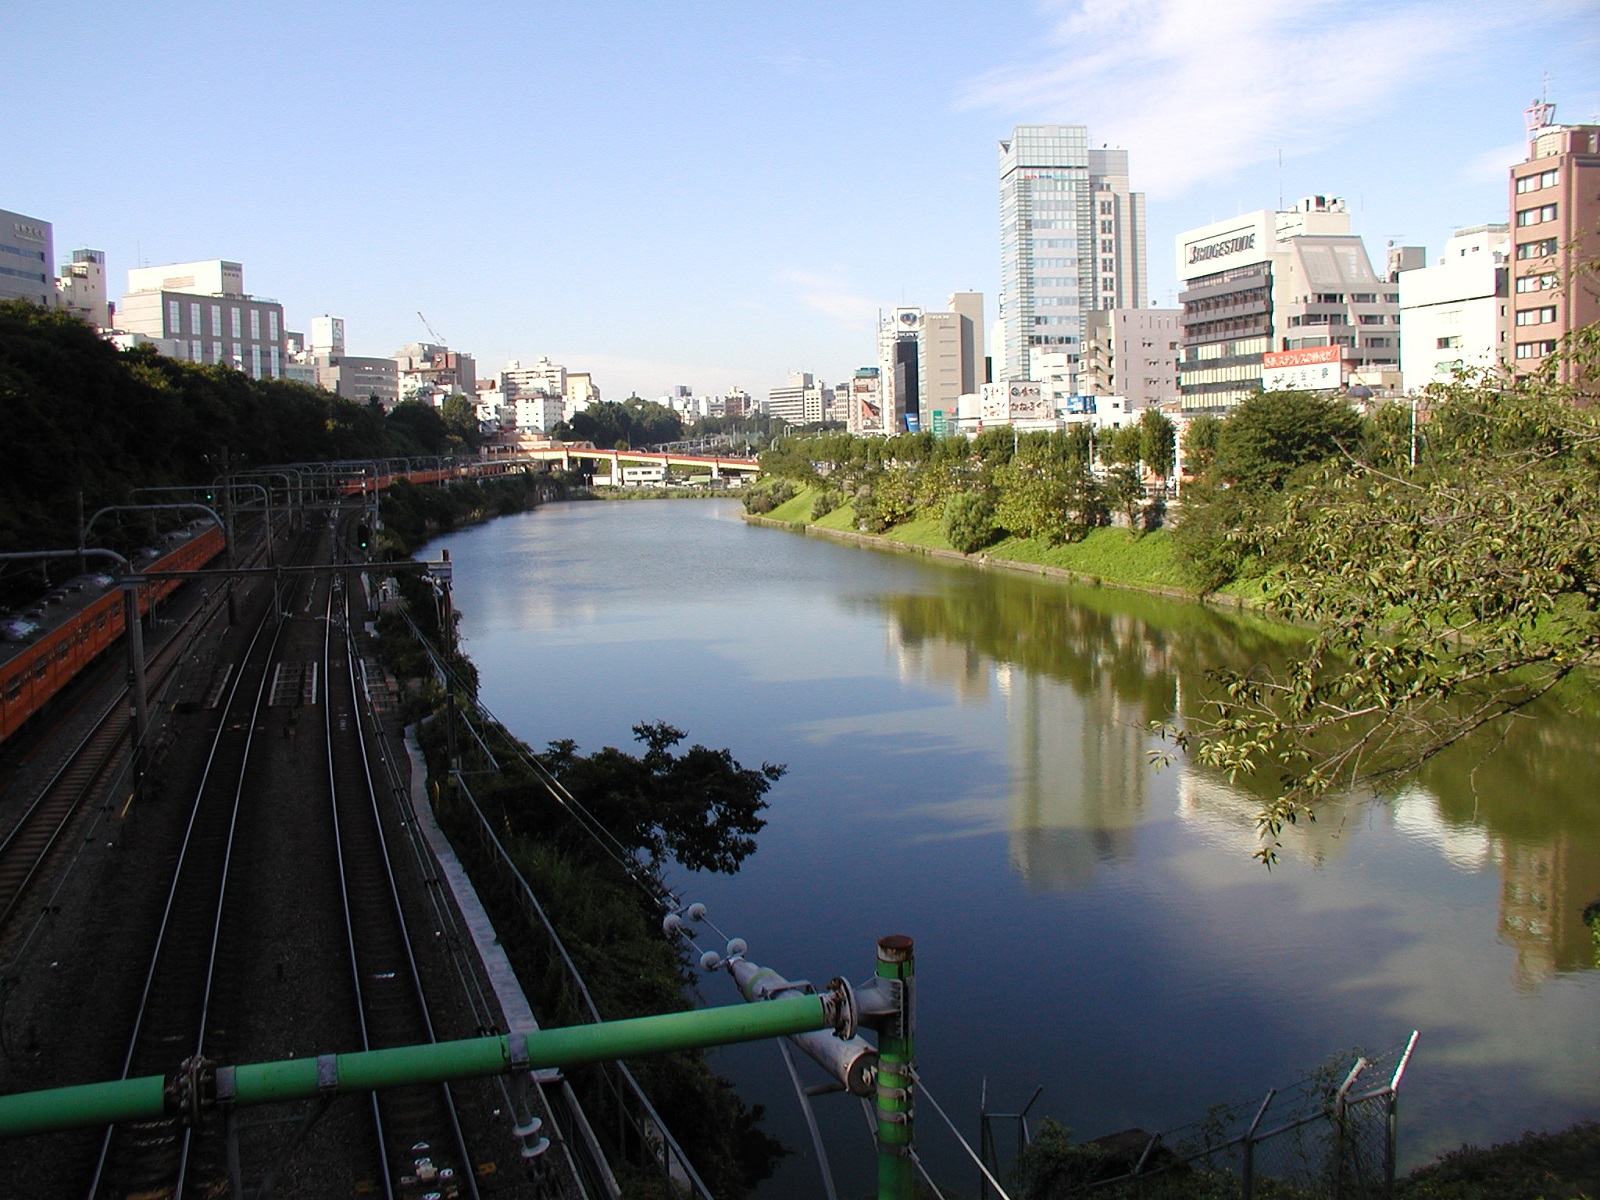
(327, 335)
(1555, 234)
(1072, 240)
(799, 402)
(900, 369)
(1453, 315)
(81, 288)
(1295, 283)
(202, 307)
(949, 360)
(27, 252)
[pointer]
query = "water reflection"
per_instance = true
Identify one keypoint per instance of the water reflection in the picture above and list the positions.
(1082, 673)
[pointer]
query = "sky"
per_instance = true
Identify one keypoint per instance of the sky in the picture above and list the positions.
(715, 195)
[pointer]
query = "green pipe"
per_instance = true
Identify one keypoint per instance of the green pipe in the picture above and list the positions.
(895, 1046)
(147, 1098)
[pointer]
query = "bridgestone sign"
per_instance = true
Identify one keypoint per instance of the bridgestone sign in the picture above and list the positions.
(1233, 245)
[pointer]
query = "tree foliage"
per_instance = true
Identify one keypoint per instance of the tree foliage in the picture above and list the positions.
(968, 523)
(1443, 599)
(627, 425)
(1273, 434)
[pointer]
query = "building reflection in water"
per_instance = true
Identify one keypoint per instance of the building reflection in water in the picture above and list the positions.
(1081, 681)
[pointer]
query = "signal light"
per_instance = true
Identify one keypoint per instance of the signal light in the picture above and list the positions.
(363, 535)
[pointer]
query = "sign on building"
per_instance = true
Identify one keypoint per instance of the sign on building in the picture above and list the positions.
(1313, 369)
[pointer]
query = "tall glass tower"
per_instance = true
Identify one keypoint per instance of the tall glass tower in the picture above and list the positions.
(1071, 240)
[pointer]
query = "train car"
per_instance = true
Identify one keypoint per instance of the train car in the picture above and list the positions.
(36, 671)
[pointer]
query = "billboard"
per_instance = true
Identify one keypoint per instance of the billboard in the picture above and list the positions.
(1313, 369)
(1025, 400)
(1223, 245)
(1078, 404)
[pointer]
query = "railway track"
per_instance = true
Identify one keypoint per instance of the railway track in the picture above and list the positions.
(175, 1018)
(418, 1129)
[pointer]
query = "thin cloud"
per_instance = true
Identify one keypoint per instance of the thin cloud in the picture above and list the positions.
(1199, 88)
(829, 296)
(1491, 166)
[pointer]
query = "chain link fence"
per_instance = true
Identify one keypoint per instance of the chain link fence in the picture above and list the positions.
(1329, 1135)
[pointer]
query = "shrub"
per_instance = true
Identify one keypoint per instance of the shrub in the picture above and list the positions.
(968, 523)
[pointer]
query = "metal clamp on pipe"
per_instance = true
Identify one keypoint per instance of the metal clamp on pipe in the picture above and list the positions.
(190, 1090)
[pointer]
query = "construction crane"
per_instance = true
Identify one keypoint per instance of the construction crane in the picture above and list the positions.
(432, 332)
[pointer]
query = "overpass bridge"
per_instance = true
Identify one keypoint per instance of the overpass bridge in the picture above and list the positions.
(569, 454)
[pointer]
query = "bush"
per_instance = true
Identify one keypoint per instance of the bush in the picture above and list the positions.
(825, 502)
(968, 523)
(766, 497)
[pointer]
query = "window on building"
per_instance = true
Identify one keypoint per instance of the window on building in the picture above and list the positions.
(1448, 343)
(1380, 341)
(195, 354)
(1391, 297)
(1535, 183)
(1108, 285)
(1536, 316)
(255, 324)
(194, 321)
(1105, 208)
(1536, 216)
(1371, 318)
(1543, 248)
(216, 352)
(272, 324)
(233, 322)
(1108, 264)
(1363, 297)
(1328, 298)
(1107, 227)
(1535, 349)
(174, 317)
(216, 320)
(1537, 283)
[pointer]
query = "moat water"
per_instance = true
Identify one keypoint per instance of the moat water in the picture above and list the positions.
(969, 763)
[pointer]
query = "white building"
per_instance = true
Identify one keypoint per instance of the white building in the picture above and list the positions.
(81, 288)
(204, 308)
(1454, 315)
(1072, 240)
(27, 253)
(1132, 352)
(1272, 282)
(799, 402)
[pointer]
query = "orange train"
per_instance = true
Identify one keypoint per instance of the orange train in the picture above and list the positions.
(35, 672)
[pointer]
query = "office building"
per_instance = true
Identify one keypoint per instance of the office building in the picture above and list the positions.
(27, 252)
(1555, 234)
(900, 369)
(204, 308)
(1454, 315)
(433, 373)
(799, 402)
(1072, 240)
(950, 362)
(1132, 352)
(863, 402)
(1296, 282)
(81, 288)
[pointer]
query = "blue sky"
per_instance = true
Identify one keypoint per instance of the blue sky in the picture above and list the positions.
(716, 194)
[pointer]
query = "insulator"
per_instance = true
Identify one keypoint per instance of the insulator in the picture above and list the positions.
(710, 960)
(695, 911)
(736, 946)
(671, 923)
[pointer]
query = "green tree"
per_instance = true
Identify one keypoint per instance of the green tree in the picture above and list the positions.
(1200, 440)
(1443, 600)
(419, 428)
(1157, 442)
(460, 416)
(1124, 491)
(698, 807)
(1123, 447)
(1273, 434)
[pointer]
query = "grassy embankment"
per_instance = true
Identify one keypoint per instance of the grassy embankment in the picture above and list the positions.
(1113, 556)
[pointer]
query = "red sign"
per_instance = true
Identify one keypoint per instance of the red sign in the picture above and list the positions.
(1302, 358)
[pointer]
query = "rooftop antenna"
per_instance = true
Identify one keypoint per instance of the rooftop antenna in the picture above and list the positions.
(1541, 113)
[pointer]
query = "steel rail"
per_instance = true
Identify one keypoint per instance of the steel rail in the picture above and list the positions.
(172, 965)
(394, 1010)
